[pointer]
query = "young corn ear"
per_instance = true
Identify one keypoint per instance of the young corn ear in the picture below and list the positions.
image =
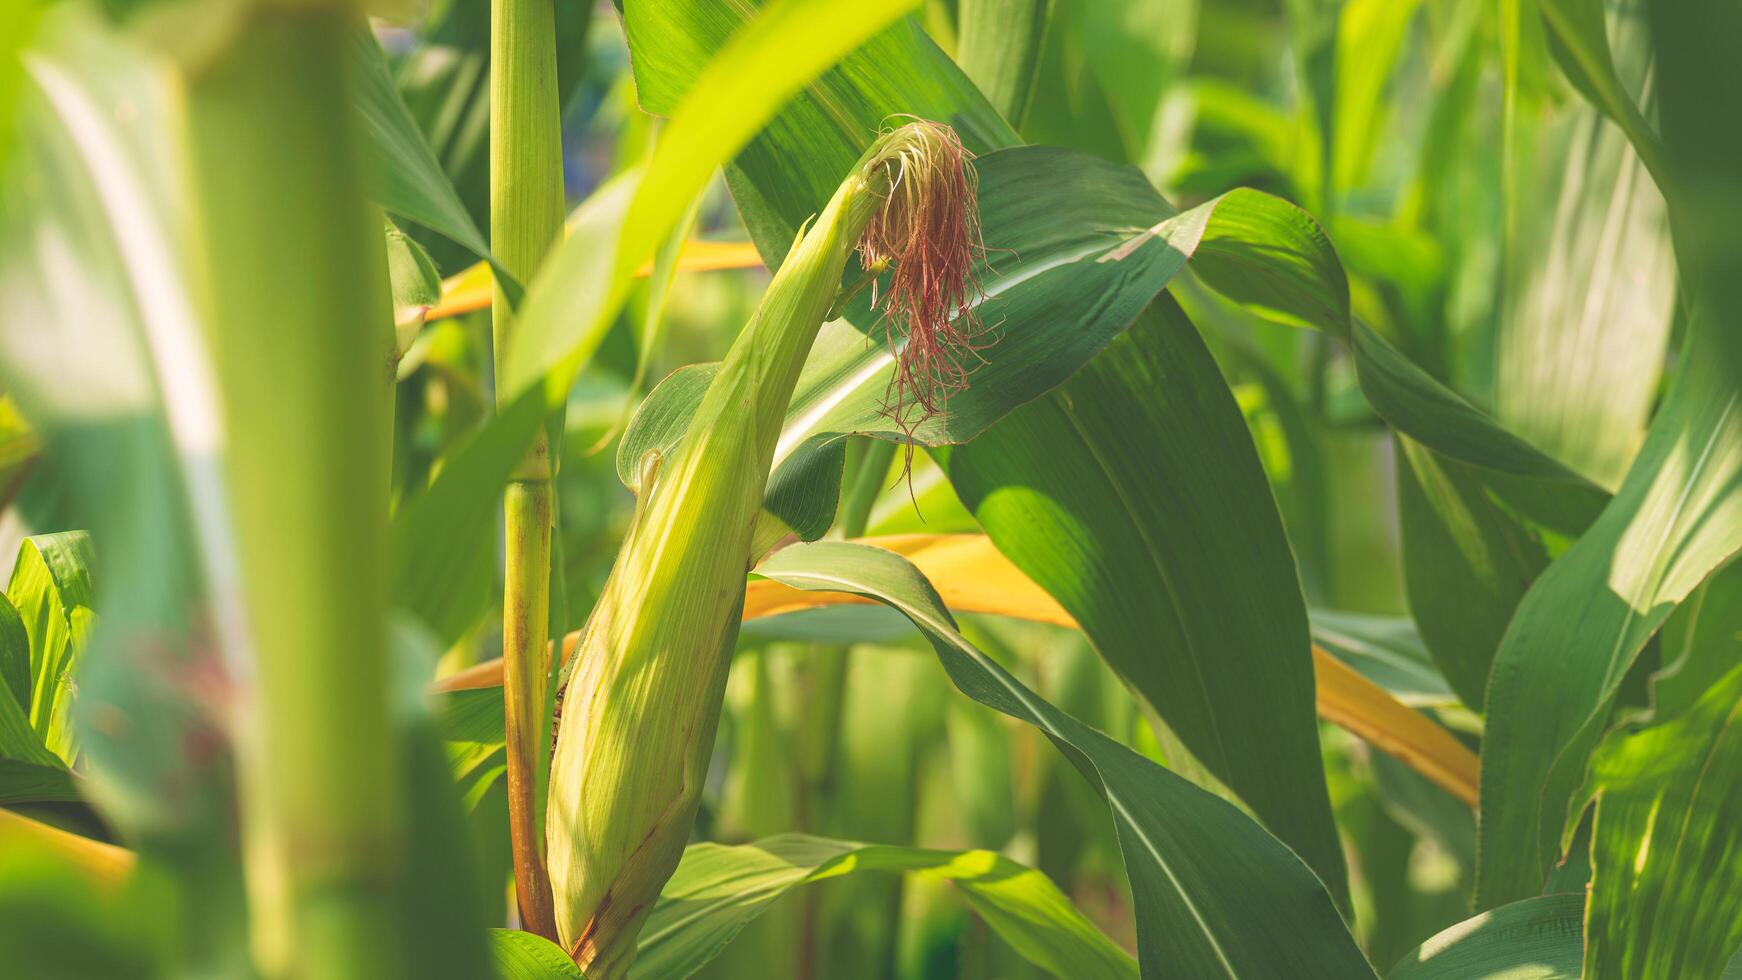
(643, 700)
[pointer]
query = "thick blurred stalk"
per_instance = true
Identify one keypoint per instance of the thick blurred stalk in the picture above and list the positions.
(300, 315)
(999, 48)
(526, 219)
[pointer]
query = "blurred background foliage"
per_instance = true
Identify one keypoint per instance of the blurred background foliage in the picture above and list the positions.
(1496, 228)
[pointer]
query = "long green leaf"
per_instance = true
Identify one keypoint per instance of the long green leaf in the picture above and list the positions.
(1579, 38)
(407, 179)
(1215, 895)
(1466, 564)
(583, 285)
(1666, 890)
(1535, 939)
(1590, 283)
(1676, 518)
(999, 47)
(1412, 402)
(718, 890)
(1145, 478)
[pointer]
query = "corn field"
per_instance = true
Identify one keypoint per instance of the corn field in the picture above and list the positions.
(856, 489)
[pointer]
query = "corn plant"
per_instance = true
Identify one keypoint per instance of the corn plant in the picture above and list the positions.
(880, 489)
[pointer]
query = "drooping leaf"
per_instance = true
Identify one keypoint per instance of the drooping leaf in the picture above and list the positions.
(1215, 895)
(1534, 939)
(1676, 518)
(407, 179)
(1666, 890)
(718, 890)
(1412, 402)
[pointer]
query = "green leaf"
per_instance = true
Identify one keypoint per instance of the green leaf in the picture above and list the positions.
(1666, 890)
(524, 956)
(999, 46)
(1535, 939)
(51, 588)
(1416, 405)
(439, 537)
(28, 770)
(1700, 643)
(1676, 518)
(1589, 289)
(14, 655)
(1579, 38)
(1143, 477)
(416, 286)
(718, 890)
(1214, 894)
(407, 179)
(1466, 564)
(442, 902)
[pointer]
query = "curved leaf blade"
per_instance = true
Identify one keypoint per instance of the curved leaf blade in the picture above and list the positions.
(1676, 518)
(718, 889)
(1536, 939)
(1215, 894)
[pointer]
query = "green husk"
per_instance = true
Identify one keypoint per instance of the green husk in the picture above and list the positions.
(643, 702)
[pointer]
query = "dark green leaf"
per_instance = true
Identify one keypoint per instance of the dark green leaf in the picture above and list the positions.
(1466, 564)
(999, 47)
(1579, 629)
(1666, 890)
(1142, 480)
(1214, 894)
(1579, 38)
(1536, 939)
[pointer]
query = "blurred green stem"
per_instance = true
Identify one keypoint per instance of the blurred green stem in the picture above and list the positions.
(526, 219)
(300, 328)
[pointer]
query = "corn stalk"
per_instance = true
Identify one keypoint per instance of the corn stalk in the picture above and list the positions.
(526, 219)
(305, 380)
